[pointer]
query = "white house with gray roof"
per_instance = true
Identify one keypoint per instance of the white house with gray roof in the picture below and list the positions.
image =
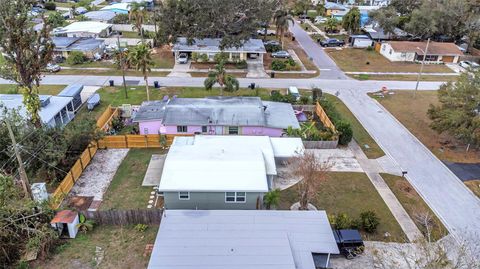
(223, 172)
(215, 116)
(243, 239)
(250, 49)
(90, 47)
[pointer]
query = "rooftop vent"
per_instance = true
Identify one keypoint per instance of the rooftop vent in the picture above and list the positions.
(44, 101)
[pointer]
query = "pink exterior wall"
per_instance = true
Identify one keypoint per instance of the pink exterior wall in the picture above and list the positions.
(151, 127)
(155, 127)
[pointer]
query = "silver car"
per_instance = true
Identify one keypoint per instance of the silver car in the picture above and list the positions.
(53, 68)
(281, 54)
(182, 58)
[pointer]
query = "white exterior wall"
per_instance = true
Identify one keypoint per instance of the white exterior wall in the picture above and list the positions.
(362, 43)
(387, 51)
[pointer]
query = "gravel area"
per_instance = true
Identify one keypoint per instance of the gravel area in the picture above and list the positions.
(95, 180)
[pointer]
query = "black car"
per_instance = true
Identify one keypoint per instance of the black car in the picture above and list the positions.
(332, 42)
(349, 242)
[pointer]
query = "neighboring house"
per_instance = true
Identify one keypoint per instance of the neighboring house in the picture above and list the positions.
(250, 49)
(222, 172)
(92, 29)
(334, 8)
(360, 41)
(105, 16)
(338, 15)
(215, 116)
(376, 33)
(92, 48)
(407, 51)
(149, 3)
(55, 111)
(119, 8)
(260, 239)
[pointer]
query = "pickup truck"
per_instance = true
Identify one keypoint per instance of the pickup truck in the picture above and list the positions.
(332, 42)
(349, 242)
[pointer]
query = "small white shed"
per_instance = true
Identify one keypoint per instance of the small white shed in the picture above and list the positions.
(360, 41)
(65, 223)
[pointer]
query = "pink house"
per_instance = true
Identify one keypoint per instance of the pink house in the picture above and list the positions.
(215, 116)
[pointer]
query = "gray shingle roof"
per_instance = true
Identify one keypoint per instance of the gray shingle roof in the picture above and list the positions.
(226, 111)
(213, 45)
(76, 43)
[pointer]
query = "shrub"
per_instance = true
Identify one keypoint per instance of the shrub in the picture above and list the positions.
(76, 57)
(222, 56)
(369, 48)
(241, 64)
(291, 62)
(275, 96)
(56, 19)
(120, 19)
(345, 130)
(363, 77)
(141, 227)
(341, 221)
(50, 5)
(304, 100)
(272, 48)
(278, 65)
(316, 94)
(202, 58)
(194, 56)
(369, 221)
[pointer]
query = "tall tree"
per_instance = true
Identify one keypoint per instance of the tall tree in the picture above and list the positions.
(26, 51)
(351, 21)
(219, 75)
(387, 18)
(271, 199)
(141, 58)
(331, 25)
(458, 113)
(405, 7)
(137, 15)
(311, 172)
(282, 20)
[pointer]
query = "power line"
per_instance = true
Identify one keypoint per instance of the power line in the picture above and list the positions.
(45, 162)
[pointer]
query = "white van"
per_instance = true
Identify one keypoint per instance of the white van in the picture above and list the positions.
(294, 92)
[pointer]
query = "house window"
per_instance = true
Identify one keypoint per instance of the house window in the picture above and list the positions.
(181, 129)
(403, 54)
(184, 195)
(233, 130)
(390, 52)
(145, 131)
(383, 48)
(235, 56)
(204, 129)
(235, 197)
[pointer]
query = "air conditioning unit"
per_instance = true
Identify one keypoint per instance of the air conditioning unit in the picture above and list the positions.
(39, 192)
(126, 110)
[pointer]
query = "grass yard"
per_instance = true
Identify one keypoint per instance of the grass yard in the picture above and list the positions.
(355, 60)
(43, 89)
(123, 246)
(351, 193)
(108, 72)
(412, 113)
(474, 186)
(404, 77)
(414, 205)
(126, 190)
(304, 58)
(360, 135)
(130, 34)
(163, 59)
(91, 64)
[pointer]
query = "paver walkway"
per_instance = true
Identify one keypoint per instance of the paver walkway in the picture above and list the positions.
(371, 168)
(154, 170)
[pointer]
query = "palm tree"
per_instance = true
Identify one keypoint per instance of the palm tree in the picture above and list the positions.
(220, 76)
(272, 198)
(282, 21)
(351, 21)
(141, 58)
(330, 25)
(137, 15)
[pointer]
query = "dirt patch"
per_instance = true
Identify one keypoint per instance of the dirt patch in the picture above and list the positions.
(95, 180)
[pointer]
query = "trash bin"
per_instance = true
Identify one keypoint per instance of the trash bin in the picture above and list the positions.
(252, 86)
(156, 84)
(318, 40)
(293, 38)
(272, 75)
(111, 83)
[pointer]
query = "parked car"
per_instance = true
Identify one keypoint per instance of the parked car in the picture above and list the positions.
(349, 242)
(332, 42)
(469, 64)
(320, 19)
(271, 43)
(281, 54)
(182, 58)
(52, 68)
(304, 17)
(294, 92)
(268, 32)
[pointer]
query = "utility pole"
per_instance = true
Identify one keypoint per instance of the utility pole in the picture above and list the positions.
(421, 67)
(21, 168)
(122, 66)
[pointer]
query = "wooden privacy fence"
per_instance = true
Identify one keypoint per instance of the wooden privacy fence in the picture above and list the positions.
(125, 217)
(103, 123)
(324, 118)
(73, 175)
(136, 141)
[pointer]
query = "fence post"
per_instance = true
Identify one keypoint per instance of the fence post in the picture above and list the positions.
(146, 141)
(89, 152)
(81, 163)
(73, 178)
(126, 141)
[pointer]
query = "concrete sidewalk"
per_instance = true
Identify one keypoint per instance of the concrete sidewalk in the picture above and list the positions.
(402, 73)
(372, 168)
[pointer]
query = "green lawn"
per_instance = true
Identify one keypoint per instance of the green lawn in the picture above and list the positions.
(91, 64)
(43, 89)
(126, 34)
(366, 142)
(126, 190)
(123, 246)
(414, 205)
(351, 193)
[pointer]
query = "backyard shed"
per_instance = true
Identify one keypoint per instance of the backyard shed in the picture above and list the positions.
(74, 91)
(65, 223)
(360, 41)
(260, 239)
